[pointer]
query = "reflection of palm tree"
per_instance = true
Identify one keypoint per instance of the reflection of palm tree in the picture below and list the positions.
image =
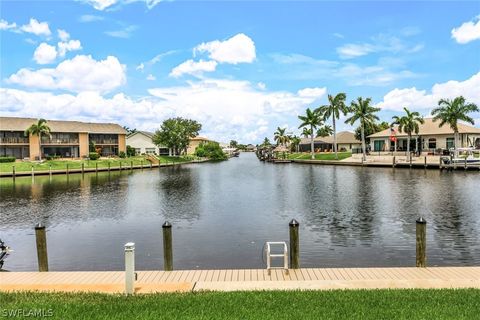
(38, 129)
(312, 119)
(409, 124)
(363, 112)
(451, 111)
(336, 104)
(325, 131)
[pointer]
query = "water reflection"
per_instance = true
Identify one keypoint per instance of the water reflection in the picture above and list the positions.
(223, 213)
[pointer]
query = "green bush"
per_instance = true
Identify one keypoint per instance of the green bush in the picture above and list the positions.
(130, 151)
(211, 150)
(93, 156)
(52, 157)
(122, 154)
(7, 159)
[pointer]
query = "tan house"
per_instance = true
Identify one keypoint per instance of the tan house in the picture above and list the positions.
(69, 139)
(142, 142)
(430, 139)
(194, 143)
(346, 141)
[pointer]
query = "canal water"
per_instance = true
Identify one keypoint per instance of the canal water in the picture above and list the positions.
(222, 214)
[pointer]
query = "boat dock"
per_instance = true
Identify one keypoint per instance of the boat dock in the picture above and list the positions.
(245, 279)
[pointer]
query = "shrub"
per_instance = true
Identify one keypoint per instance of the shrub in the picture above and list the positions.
(122, 154)
(7, 159)
(93, 156)
(130, 151)
(52, 157)
(211, 150)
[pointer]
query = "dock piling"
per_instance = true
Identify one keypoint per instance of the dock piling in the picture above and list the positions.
(129, 268)
(294, 245)
(83, 168)
(167, 247)
(131, 165)
(421, 236)
(13, 172)
(41, 239)
(393, 162)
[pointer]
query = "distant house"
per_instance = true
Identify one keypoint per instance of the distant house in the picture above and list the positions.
(142, 142)
(250, 147)
(194, 143)
(346, 141)
(431, 138)
(68, 139)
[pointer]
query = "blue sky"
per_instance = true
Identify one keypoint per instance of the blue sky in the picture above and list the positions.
(240, 68)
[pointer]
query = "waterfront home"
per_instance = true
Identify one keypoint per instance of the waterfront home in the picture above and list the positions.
(346, 141)
(142, 142)
(431, 138)
(69, 139)
(250, 148)
(194, 143)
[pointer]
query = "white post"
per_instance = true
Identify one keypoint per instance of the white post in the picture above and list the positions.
(129, 268)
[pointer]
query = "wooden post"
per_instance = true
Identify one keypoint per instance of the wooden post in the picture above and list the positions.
(50, 170)
(96, 167)
(421, 232)
(83, 168)
(465, 163)
(141, 163)
(13, 172)
(131, 164)
(67, 168)
(410, 156)
(108, 166)
(120, 165)
(393, 162)
(167, 247)
(33, 174)
(425, 162)
(294, 245)
(41, 238)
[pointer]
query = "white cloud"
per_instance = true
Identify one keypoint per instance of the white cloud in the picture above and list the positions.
(37, 28)
(81, 73)
(71, 45)
(90, 18)
(63, 35)
(416, 99)
(239, 48)
(105, 4)
(45, 53)
(312, 92)
(4, 25)
(140, 67)
(261, 86)
(151, 77)
(193, 67)
(467, 32)
(124, 33)
(353, 50)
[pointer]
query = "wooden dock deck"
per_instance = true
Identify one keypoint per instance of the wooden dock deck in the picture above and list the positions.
(246, 279)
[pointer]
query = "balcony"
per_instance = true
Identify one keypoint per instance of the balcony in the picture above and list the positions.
(14, 140)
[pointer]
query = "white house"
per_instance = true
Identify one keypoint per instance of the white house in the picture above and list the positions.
(143, 144)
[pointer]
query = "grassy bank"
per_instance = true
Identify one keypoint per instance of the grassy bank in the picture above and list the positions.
(77, 164)
(349, 304)
(320, 156)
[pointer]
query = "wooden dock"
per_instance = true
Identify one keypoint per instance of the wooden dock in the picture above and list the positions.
(246, 279)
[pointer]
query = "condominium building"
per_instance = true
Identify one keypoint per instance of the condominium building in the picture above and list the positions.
(68, 139)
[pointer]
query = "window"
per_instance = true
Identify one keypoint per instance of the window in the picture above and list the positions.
(150, 150)
(432, 143)
(450, 143)
(138, 150)
(378, 145)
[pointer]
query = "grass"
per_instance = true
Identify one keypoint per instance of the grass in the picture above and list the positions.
(77, 164)
(320, 156)
(348, 304)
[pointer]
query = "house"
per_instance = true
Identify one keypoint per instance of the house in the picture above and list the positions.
(142, 142)
(250, 148)
(194, 143)
(346, 141)
(69, 139)
(430, 139)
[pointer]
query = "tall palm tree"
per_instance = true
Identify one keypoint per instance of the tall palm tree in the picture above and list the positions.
(311, 119)
(325, 131)
(336, 104)
(365, 113)
(295, 143)
(409, 124)
(281, 137)
(306, 132)
(38, 129)
(451, 111)
(266, 142)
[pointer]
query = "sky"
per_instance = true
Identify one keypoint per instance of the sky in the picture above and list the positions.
(240, 68)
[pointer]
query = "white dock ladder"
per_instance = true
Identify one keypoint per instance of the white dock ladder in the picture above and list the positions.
(271, 255)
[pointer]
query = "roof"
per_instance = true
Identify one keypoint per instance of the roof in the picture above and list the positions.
(280, 149)
(428, 128)
(199, 138)
(21, 124)
(145, 133)
(344, 137)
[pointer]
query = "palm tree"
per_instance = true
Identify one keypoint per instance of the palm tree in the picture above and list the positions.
(451, 111)
(280, 136)
(37, 129)
(363, 112)
(408, 124)
(266, 142)
(312, 119)
(325, 131)
(306, 132)
(333, 109)
(296, 143)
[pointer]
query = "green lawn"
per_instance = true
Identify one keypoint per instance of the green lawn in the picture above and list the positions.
(348, 304)
(320, 156)
(77, 164)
